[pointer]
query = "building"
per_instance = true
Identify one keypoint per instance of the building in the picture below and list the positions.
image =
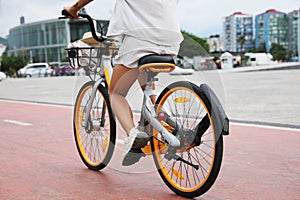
(237, 26)
(2, 49)
(299, 35)
(45, 41)
(271, 27)
(293, 33)
(3, 44)
(215, 43)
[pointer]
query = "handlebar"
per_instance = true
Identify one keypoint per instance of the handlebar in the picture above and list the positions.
(67, 15)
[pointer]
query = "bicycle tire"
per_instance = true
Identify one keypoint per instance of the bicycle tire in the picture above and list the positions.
(190, 107)
(95, 146)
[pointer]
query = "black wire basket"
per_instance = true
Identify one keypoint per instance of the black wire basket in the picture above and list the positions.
(90, 58)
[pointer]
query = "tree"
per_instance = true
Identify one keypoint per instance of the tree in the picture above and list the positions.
(279, 52)
(241, 40)
(260, 49)
(10, 64)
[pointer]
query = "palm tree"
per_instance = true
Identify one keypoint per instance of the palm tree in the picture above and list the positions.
(241, 40)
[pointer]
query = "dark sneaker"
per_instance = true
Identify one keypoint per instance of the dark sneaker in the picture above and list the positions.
(133, 156)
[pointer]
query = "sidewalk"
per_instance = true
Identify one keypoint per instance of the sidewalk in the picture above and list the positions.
(279, 66)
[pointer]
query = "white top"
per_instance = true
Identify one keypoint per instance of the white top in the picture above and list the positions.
(154, 21)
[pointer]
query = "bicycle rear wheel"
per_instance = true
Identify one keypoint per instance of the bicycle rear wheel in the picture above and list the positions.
(95, 142)
(191, 169)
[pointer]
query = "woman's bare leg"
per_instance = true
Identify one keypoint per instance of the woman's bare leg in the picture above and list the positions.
(122, 79)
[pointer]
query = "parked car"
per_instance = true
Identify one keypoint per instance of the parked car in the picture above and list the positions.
(62, 69)
(35, 70)
(2, 76)
(69, 71)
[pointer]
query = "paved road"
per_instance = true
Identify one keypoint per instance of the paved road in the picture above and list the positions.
(39, 161)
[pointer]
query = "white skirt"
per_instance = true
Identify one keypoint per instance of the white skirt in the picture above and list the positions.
(133, 49)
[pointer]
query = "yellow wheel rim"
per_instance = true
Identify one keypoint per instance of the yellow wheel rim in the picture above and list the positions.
(92, 157)
(176, 177)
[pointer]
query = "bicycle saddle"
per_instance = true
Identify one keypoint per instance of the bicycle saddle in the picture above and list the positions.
(156, 58)
(157, 63)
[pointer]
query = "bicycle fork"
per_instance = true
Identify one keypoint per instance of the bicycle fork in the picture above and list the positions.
(106, 71)
(88, 108)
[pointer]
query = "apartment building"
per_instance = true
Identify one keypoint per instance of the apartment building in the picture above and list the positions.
(235, 26)
(215, 43)
(293, 32)
(299, 35)
(271, 27)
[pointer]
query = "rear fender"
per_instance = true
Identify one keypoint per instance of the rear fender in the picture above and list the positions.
(218, 115)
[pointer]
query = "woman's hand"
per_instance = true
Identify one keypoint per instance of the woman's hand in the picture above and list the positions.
(71, 12)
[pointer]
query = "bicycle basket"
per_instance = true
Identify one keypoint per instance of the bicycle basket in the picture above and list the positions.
(90, 58)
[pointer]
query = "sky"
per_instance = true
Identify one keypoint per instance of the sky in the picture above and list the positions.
(202, 18)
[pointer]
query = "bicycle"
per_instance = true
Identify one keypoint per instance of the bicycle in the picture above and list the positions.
(186, 124)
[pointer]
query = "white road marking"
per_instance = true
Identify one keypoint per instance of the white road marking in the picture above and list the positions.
(38, 103)
(17, 122)
(265, 126)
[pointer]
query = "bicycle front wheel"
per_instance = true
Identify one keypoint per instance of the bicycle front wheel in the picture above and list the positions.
(95, 141)
(191, 169)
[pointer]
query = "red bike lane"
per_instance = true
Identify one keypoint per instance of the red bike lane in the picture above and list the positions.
(39, 160)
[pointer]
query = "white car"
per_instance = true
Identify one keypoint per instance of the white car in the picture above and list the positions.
(182, 71)
(35, 70)
(2, 76)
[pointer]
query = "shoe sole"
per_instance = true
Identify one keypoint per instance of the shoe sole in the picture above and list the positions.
(140, 142)
(132, 157)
